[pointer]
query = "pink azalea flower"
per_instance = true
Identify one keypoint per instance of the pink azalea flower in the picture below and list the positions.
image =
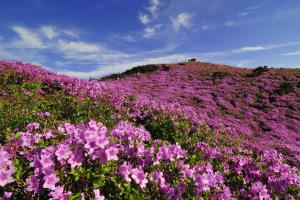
(97, 195)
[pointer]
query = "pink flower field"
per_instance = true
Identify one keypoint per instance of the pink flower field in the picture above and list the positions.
(179, 131)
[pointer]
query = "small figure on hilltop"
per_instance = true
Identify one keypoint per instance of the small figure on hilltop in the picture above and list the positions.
(193, 60)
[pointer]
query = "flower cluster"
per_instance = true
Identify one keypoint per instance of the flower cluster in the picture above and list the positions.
(136, 159)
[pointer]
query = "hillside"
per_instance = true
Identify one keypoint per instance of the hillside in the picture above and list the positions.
(182, 131)
(264, 104)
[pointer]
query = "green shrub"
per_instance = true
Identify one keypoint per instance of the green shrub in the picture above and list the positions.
(285, 88)
(258, 71)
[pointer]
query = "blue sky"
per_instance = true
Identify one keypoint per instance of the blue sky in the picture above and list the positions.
(92, 38)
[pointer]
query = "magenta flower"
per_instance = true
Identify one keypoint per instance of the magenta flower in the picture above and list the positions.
(7, 196)
(50, 181)
(63, 152)
(76, 158)
(59, 194)
(111, 153)
(47, 114)
(259, 191)
(26, 139)
(49, 134)
(138, 175)
(46, 161)
(97, 195)
(33, 184)
(125, 171)
(6, 172)
(33, 126)
(202, 182)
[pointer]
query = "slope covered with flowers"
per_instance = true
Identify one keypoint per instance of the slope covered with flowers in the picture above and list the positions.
(65, 138)
(264, 104)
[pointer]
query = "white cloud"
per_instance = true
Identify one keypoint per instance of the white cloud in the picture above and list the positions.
(255, 7)
(49, 31)
(154, 4)
(126, 38)
(78, 46)
(89, 52)
(245, 13)
(71, 33)
(295, 53)
(230, 23)
(150, 31)
(144, 18)
(28, 38)
(250, 49)
(207, 27)
(183, 20)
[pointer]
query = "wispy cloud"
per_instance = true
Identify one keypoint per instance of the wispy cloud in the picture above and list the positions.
(27, 38)
(144, 18)
(154, 4)
(257, 6)
(251, 49)
(150, 31)
(248, 49)
(251, 9)
(295, 53)
(182, 20)
(78, 47)
(230, 23)
(152, 10)
(245, 13)
(89, 52)
(49, 32)
(126, 38)
(71, 33)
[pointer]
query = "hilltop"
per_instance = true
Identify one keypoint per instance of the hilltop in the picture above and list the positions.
(180, 131)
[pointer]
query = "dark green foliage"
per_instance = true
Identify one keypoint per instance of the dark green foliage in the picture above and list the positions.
(258, 71)
(135, 70)
(285, 88)
(163, 128)
(11, 78)
(235, 181)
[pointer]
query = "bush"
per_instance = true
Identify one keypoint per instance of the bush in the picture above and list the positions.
(258, 71)
(285, 88)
